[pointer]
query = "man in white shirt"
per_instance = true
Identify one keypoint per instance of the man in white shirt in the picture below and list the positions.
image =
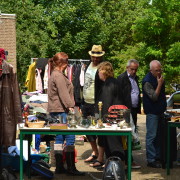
(92, 86)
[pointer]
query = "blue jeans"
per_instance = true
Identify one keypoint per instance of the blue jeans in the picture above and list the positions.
(70, 139)
(153, 137)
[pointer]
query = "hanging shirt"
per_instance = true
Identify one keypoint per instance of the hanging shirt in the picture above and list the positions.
(46, 76)
(30, 80)
(70, 72)
(88, 89)
(81, 77)
(38, 80)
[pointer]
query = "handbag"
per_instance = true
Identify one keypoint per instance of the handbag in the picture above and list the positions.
(43, 169)
(114, 169)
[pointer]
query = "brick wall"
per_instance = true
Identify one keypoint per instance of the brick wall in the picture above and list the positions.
(8, 36)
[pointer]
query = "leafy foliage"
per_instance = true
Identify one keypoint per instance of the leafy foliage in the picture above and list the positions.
(126, 29)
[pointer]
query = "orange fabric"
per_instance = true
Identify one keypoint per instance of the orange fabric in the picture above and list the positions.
(117, 107)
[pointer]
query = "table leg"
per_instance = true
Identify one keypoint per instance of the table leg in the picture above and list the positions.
(29, 157)
(168, 150)
(21, 156)
(129, 155)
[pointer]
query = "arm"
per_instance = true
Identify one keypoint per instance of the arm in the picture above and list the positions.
(151, 92)
(160, 81)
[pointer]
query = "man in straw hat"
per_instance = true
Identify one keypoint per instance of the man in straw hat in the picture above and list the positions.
(92, 86)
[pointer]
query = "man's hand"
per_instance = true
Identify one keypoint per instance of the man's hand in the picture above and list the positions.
(160, 80)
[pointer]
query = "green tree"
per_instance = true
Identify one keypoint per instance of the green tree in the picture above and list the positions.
(125, 28)
(34, 33)
(158, 29)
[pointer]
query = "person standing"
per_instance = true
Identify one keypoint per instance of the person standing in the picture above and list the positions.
(130, 93)
(154, 104)
(109, 95)
(60, 102)
(91, 89)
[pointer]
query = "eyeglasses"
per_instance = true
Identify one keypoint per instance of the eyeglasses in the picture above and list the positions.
(133, 69)
(158, 70)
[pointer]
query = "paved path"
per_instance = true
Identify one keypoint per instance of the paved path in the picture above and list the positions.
(145, 173)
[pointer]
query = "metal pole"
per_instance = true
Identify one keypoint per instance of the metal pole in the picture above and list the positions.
(21, 156)
(168, 148)
(129, 155)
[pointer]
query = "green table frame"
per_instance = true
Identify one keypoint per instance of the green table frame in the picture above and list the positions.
(170, 124)
(47, 131)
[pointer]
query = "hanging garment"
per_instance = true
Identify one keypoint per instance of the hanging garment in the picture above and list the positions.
(30, 80)
(2, 53)
(39, 86)
(70, 72)
(41, 63)
(10, 105)
(76, 83)
(81, 77)
(46, 76)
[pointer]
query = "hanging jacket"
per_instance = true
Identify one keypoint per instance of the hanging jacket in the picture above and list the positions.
(10, 105)
(30, 79)
(76, 83)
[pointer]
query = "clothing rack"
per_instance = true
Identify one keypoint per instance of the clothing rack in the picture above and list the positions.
(33, 60)
(79, 60)
(72, 60)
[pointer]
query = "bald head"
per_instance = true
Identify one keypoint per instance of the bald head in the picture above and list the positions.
(154, 63)
(155, 68)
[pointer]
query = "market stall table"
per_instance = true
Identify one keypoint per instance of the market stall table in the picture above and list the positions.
(76, 131)
(170, 124)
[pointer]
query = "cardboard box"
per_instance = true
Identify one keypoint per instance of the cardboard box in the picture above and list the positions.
(58, 126)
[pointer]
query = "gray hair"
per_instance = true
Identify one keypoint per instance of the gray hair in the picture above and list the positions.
(154, 62)
(132, 61)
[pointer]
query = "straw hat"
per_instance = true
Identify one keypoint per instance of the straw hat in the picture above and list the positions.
(96, 51)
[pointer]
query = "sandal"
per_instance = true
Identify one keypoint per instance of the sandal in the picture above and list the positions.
(91, 159)
(96, 164)
(101, 168)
